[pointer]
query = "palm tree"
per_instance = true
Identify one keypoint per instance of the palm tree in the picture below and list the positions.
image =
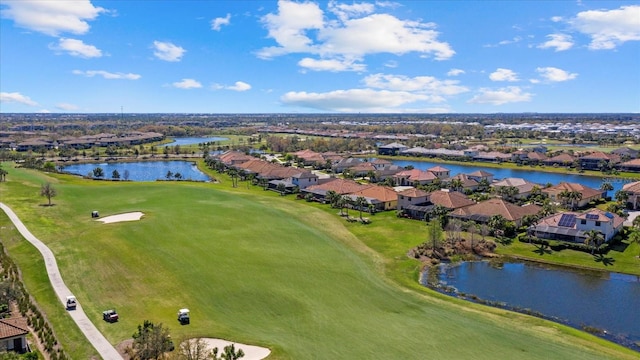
(634, 237)
(606, 186)
(455, 184)
(233, 173)
(3, 174)
(622, 196)
(360, 202)
(575, 197)
(564, 196)
(497, 222)
(594, 239)
(636, 222)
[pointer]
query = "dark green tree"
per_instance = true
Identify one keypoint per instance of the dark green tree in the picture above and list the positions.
(150, 341)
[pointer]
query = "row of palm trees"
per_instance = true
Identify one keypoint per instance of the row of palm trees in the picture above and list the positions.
(345, 202)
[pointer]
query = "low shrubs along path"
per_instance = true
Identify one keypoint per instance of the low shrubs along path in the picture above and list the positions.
(259, 269)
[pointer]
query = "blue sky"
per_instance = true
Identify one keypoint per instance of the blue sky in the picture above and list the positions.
(237, 56)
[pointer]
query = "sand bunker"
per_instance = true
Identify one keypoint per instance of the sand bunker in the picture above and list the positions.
(132, 216)
(250, 352)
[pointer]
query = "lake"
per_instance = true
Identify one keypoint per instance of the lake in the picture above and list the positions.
(579, 298)
(194, 140)
(527, 173)
(142, 170)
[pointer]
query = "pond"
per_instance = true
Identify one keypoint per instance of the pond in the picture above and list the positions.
(195, 140)
(142, 170)
(527, 173)
(602, 302)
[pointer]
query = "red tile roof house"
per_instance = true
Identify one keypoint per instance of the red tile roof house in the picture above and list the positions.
(467, 182)
(440, 172)
(594, 160)
(573, 226)
(449, 199)
(340, 186)
(480, 175)
(633, 190)
(483, 211)
(414, 203)
(588, 194)
(387, 198)
(631, 165)
(559, 160)
(524, 187)
(413, 177)
(310, 157)
(13, 335)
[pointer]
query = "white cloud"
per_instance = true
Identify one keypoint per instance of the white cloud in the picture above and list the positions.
(334, 65)
(66, 107)
(609, 28)
(187, 84)
(353, 100)
(500, 96)
(559, 42)
(216, 24)
(167, 51)
(52, 17)
(455, 72)
(552, 74)
(75, 47)
(15, 97)
(107, 75)
(503, 75)
(355, 33)
(504, 42)
(391, 64)
(425, 85)
(346, 11)
(240, 86)
(556, 18)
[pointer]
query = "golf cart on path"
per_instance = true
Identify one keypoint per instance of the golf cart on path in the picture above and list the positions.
(71, 303)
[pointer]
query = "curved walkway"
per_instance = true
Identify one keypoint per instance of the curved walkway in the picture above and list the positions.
(95, 337)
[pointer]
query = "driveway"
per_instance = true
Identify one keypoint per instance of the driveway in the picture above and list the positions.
(95, 337)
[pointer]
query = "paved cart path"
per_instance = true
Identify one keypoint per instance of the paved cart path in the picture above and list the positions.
(99, 342)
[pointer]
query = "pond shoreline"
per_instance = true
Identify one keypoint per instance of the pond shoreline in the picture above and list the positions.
(430, 278)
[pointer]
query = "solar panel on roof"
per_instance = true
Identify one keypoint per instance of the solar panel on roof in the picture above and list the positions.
(592, 216)
(567, 220)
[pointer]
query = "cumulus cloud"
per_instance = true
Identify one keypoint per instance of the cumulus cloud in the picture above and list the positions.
(503, 75)
(187, 84)
(75, 47)
(425, 85)
(167, 51)
(238, 86)
(609, 29)
(353, 100)
(355, 32)
(16, 97)
(66, 106)
(334, 65)
(52, 17)
(455, 72)
(216, 24)
(510, 94)
(552, 74)
(107, 75)
(559, 42)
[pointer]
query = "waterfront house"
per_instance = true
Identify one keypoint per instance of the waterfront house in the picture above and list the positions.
(523, 186)
(391, 149)
(413, 177)
(483, 211)
(587, 194)
(339, 186)
(597, 160)
(563, 159)
(481, 175)
(449, 199)
(633, 190)
(631, 165)
(573, 226)
(440, 172)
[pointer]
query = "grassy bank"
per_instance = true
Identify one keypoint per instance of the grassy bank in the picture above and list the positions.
(261, 269)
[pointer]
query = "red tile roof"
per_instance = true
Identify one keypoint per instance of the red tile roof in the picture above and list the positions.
(340, 186)
(495, 206)
(12, 327)
(450, 199)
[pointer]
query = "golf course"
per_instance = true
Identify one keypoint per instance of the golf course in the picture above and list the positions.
(256, 268)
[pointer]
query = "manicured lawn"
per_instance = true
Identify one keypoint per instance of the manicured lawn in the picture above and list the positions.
(260, 269)
(622, 258)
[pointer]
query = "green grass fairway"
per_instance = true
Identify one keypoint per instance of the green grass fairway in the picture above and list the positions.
(257, 269)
